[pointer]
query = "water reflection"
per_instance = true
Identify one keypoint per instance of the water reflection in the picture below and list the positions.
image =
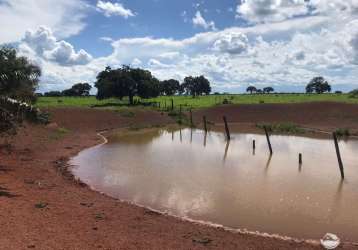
(226, 149)
(264, 193)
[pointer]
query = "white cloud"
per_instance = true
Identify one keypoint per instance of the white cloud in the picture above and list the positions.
(199, 21)
(136, 62)
(271, 10)
(64, 17)
(286, 53)
(106, 39)
(349, 7)
(114, 9)
(45, 44)
(232, 43)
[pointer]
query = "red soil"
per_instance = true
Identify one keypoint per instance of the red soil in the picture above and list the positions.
(42, 207)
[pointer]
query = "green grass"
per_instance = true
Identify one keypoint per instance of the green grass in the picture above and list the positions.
(59, 133)
(50, 102)
(199, 102)
(282, 128)
(212, 100)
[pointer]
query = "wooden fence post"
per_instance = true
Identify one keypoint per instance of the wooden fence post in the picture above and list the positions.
(191, 118)
(204, 122)
(268, 140)
(205, 125)
(338, 155)
(227, 129)
(172, 104)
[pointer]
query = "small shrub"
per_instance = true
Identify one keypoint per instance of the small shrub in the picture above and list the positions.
(261, 101)
(180, 118)
(342, 132)
(284, 128)
(226, 101)
(353, 93)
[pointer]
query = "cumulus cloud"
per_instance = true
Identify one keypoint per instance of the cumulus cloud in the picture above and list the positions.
(136, 62)
(271, 10)
(64, 17)
(347, 7)
(232, 43)
(45, 44)
(288, 52)
(256, 11)
(199, 21)
(114, 9)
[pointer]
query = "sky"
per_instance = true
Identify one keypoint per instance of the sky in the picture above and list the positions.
(234, 43)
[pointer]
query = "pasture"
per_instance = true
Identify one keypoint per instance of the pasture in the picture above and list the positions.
(197, 102)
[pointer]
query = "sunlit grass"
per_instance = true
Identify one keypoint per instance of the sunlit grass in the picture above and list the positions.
(198, 102)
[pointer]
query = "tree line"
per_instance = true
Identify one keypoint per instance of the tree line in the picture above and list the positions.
(130, 82)
(19, 79)
(79, 89)
(317, 85)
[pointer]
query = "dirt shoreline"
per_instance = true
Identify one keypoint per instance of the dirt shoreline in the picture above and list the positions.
(42, 208)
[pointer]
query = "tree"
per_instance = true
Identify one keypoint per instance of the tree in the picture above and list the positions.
(126, 81)
(169, 87)
(268, 90)
(18, 77)
(53, 94)
(318, 85)
(79, 89)
(196, 86)
(251, 89)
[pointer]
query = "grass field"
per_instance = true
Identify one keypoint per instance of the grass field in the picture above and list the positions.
(199, 102)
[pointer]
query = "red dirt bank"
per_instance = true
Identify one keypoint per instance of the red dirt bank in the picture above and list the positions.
(40, 208)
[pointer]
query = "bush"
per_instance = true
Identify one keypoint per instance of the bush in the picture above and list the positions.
(285, 128)
(342, 132)
(13, 112)
(353, 93)
(226, 101)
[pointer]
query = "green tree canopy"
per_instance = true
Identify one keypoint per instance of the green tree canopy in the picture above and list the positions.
(79, 89)
(318, 85)
(251, 89)
(126, 81)
(18, 77)
(268, 90)
(196, 86)
(170, 87)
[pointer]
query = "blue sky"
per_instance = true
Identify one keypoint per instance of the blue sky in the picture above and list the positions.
(154, 18)
(279, 43)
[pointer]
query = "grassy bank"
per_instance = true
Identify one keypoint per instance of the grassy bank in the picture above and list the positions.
(199, 102)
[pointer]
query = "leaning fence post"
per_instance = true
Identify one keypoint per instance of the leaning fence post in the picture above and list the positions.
(268, 140)
(338, 155)
(204, 122)
(227, 129)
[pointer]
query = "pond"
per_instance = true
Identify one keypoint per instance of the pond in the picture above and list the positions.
(202, 177)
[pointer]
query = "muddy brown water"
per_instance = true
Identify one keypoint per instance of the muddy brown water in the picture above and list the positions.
(187, 174)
